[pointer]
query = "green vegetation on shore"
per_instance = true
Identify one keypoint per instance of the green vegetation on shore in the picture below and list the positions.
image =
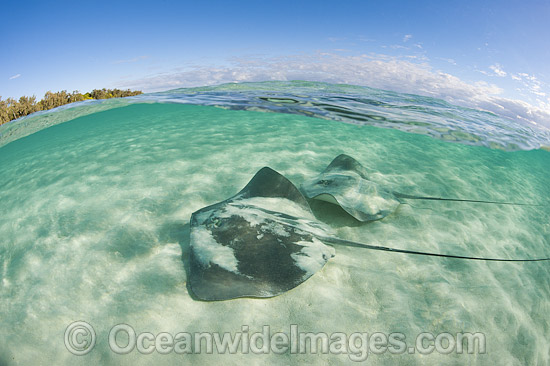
(11, 109)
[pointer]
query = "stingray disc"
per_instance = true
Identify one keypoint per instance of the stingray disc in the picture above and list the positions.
(259, 243)
(345, 183)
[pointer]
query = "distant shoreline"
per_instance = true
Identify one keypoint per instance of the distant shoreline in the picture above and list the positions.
(11, 109)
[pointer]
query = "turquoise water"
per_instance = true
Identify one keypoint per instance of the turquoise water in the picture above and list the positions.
(337, 102)
(94, 226)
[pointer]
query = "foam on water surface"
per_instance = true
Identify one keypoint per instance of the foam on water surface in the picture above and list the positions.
(94, 226)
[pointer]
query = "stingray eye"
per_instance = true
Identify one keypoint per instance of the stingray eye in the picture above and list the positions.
(324, 182)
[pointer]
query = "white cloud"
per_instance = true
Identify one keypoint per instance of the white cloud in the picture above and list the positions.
(15, 76)
(449, 60)
(530, 83)
(497, 69)
(378, 71)
(397, 47)
(417, 57)
(407, 37)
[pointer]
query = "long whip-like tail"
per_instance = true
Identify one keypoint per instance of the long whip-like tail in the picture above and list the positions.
(408, 196)
(349, 243)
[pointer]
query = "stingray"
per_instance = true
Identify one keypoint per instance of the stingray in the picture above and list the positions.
(345, 182)
(264, 241)
(259, 243)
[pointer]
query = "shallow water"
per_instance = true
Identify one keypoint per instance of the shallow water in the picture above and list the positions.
(338, 102)
(94, 226)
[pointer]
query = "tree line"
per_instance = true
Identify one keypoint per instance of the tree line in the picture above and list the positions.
(11, 109)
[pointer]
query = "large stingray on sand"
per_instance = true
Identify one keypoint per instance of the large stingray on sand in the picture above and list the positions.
(263, 242)
(259, 243)
(345, 182)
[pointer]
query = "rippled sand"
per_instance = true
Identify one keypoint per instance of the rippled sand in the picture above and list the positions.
(94, 221)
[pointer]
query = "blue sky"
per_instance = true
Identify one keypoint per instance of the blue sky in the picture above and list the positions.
(453, 50)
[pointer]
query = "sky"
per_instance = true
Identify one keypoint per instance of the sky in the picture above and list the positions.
(492, 55)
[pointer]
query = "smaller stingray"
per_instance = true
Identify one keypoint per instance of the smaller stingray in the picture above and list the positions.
(345, 183)
(259, 243)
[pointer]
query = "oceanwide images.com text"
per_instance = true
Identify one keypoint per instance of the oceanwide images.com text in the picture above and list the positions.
(80, 339)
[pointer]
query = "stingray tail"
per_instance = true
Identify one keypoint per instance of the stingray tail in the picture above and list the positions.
(408, 196)
(337, 241)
